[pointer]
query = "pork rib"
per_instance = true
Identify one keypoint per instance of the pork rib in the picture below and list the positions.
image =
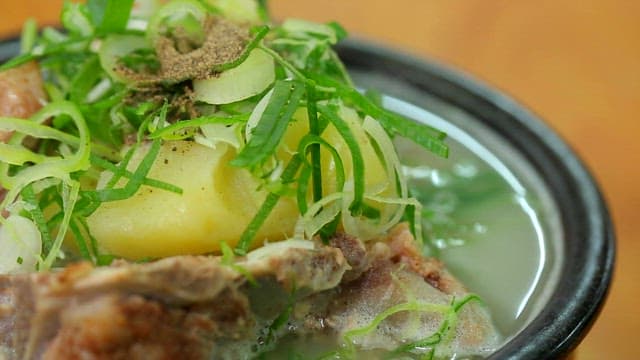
(197, 307)
(187, 306)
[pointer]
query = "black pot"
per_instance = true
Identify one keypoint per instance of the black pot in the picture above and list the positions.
(587, 241)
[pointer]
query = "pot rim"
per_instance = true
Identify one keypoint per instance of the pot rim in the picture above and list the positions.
(589, 246)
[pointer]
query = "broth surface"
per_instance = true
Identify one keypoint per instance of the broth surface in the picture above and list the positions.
(487, 216)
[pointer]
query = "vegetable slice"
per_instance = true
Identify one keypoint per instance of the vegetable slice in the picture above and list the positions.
(248, 79)
(57, 167)
(238, 10)
(310, 92)
(21, 244)
(273, 124)
(356, 155)
(110, 15)
(177, 13)
(114, 48)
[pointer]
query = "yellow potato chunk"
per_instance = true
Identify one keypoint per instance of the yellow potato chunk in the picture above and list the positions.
(218, 200)
(376, 180)
(217, 203)
(375, 176)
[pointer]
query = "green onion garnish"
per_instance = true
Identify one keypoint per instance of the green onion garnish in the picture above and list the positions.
(108, 87)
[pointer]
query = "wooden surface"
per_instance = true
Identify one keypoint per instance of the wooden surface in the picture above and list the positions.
(574, 62)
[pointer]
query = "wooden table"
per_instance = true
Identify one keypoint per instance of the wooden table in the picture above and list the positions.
(574, 62)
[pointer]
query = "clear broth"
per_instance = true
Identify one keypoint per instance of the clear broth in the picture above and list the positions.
(489, 218)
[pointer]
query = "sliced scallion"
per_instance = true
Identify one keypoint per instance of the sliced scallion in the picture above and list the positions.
(356, 155)
(272, 125)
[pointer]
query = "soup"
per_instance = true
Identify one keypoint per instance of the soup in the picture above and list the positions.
(175, 184)
(488, 217)
(497, 228)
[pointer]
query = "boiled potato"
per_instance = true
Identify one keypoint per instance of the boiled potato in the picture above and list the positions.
(219, 200)
(217, 204)
(375, 175)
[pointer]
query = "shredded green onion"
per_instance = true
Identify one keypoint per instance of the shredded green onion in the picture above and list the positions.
(408, 306)
(259, 34)
(267, 206)
(110, 15)
(173, 131)
(94, 110)
(120, 171)
(28, 37)
(356, 155)
(229, 259)
(306, 143)
(34, 209)
(136, 180)
(272, 125)
(56, 167)
(69, 197)
(314, 129)
(76, 19)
